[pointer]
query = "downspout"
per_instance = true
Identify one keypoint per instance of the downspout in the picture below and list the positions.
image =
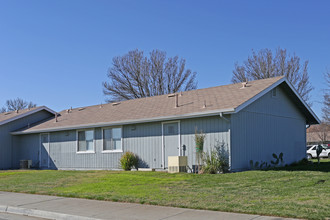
(229, 138)
(223, 117)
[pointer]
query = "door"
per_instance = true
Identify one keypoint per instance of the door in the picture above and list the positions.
(171, 138)
(44, 151)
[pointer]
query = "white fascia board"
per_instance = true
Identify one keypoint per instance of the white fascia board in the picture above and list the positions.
(27, 113)
(126, 122)
(245, 104)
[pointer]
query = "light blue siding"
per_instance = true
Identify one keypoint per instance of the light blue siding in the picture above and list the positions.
(7, 148)
(26, 148)
(143, 139)
(217, 132)
(269, 125)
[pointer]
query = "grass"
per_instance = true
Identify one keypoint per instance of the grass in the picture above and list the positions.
(299, 191)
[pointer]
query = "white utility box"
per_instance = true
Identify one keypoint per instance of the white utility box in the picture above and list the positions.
(177, 164)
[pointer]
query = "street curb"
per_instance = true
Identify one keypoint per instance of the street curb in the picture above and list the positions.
(41, 213)
(3, 208)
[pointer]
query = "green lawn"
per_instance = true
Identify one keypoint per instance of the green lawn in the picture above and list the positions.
(300, 191)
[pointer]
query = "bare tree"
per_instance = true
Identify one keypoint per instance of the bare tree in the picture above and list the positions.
(134, 75)
(3, 109)
(263, 64)
(326, 99)
(17, 104)
(323, 131)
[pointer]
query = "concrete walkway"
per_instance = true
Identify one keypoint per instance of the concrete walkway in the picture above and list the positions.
(53, 207)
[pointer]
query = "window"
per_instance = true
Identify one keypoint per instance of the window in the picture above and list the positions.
(86, 141)
(171, 129)
(112, 139)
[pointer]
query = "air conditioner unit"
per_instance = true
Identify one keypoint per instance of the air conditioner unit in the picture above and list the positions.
(29, 164)
(177, 164)
(25, 164)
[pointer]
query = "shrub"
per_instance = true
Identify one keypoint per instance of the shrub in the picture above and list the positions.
(211, 163)
(199, 141)
(278, 159)
(216, 161)
(264, 165)
(303, 161)
(129, 160)
(223, 158)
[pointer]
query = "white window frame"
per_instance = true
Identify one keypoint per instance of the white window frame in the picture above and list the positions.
(77, 142)
(121, 140)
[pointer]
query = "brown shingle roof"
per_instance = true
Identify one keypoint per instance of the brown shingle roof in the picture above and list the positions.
(9, 115)
(191, 102)
(13, 115)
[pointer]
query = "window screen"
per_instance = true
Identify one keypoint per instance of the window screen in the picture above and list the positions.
(86, 140)
(112, 139)
(107, 139)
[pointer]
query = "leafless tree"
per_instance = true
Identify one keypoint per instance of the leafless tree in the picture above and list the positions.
(134, 75)
(263, 64)
(3, 109)
(323, 132)
(17, 104)
(326, 99)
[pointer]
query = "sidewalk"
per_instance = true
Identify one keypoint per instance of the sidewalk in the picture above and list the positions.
(53, 207)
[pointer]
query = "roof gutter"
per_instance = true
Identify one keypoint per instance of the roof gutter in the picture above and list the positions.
(126, 122)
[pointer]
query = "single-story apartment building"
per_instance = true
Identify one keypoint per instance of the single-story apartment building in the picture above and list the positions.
(250, 121)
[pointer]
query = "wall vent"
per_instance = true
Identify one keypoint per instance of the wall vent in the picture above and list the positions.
(274, 93)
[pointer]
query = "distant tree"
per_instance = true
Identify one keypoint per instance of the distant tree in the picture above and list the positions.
(323, 132)
(263, 64)
(134, 75)
(3, 109)
(326, 99)
(17, 104)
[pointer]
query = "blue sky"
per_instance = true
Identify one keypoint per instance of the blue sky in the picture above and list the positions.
(57, 53)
